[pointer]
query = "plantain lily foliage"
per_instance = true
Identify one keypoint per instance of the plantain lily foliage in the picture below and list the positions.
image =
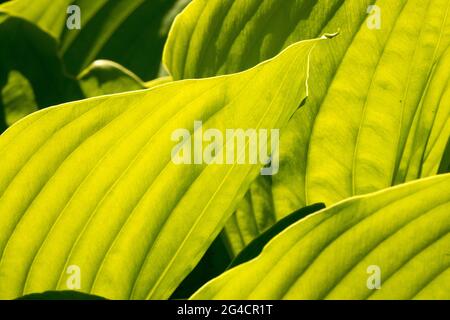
(380, 97)
(48, 45)
(119, 119)
(326, 255)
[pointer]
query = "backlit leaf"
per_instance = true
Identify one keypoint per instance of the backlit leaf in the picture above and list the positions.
(88, 188)
(401, 234)
(380, 113)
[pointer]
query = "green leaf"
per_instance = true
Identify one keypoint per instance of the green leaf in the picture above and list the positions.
(35, 31)
(129, 32)
(107, 77)
(213, 37)
(255, 247)
(379, 114)
(90, 185)
(37, 79)
(18, 97)
(242, 37)
(48, 15)
(403, 232)
(389, 124)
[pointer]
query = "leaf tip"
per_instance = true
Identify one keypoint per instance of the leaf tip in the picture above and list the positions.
(331, 35)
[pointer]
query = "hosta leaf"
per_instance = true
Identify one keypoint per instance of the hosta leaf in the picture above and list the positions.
(379, 116)
(107, 77)
(49, 15)
(35, 80)
(230, 25)
(130, 32)
(18, 98)
(390, 123)
(90, 185)
(35, 31)
(402, 232)
(212, 37)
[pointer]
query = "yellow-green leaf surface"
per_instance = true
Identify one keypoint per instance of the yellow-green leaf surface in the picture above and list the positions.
(380, 113)
(403, 232)
(389, 123)
(234, 28)
(212, 37)
(91, 184)
(158, 81)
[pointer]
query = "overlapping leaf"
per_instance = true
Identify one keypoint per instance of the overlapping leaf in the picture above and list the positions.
(380, 113)
(131, 33)
(91, 184)
(40, 57)
(402, 232)
(31, 73)
(254, 248)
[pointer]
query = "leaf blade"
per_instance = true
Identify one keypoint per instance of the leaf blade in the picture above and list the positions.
(90, 215)
(359, 131)
(329, 252)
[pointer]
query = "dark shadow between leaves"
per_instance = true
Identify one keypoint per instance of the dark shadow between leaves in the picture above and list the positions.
(254, 248)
